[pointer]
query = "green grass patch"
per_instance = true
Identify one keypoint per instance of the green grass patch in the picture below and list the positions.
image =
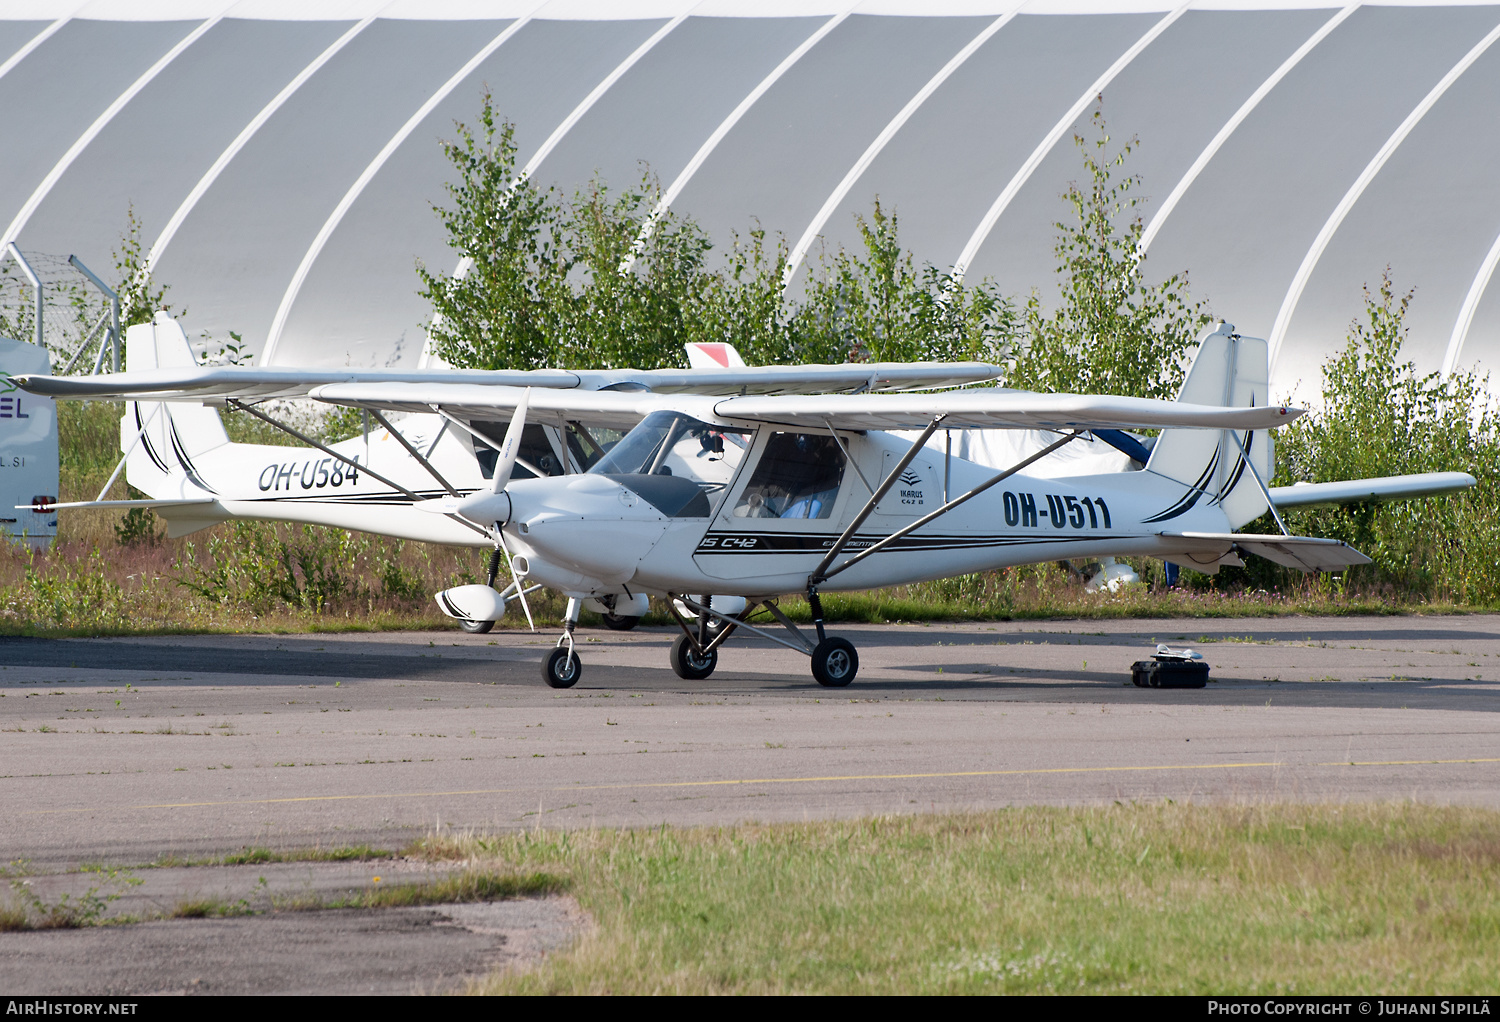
(1141, 899)
(474, 884)
(209, 908)
(250, 856)
(471, 885)
(12, 918)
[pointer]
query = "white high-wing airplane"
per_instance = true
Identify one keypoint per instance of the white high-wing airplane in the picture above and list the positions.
(176, 449)
(721, 503)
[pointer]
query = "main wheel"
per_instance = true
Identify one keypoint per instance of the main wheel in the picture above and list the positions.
(834, 662)
(561, 669)
(620, 622)
(476, 627)
(689, 664)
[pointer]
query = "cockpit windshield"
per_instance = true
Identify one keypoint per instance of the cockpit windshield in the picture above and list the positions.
(701, 457)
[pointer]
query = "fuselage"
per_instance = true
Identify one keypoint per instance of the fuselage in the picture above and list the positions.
(601, 533)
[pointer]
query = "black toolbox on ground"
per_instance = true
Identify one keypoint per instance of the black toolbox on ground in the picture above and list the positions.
(1169, 673)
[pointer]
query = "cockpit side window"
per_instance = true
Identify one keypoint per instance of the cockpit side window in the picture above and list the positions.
(588, 444)
(536, 454)
(798, 476)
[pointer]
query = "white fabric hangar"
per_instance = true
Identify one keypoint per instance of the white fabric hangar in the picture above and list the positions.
(283, 155)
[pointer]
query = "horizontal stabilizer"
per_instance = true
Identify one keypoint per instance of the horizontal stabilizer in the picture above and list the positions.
(1356, 491)
(113, 504)
(1305, 553)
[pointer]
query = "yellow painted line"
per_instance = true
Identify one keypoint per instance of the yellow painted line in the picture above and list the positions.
(1406, 762)
(763, 780)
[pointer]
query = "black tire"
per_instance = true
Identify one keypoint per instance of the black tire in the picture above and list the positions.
(835, 662)
(620, 623)
(476, 627)
(560, 670)
(689, 665)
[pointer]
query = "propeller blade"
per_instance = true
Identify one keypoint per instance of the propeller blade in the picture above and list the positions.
(510, 447)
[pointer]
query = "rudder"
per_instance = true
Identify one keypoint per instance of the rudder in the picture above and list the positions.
(1232, 371)
(172, 435)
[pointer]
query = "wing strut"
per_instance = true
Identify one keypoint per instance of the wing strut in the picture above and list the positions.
(455, 421)
(1264, 492)
(129, 450)
(414, 452)
(817, 577)
(848, 457)
(822, 575)
(346, 460)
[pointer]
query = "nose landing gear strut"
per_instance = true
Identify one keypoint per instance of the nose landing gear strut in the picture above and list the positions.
(562, 668)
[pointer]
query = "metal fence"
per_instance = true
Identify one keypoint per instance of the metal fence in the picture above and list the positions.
(60, 304)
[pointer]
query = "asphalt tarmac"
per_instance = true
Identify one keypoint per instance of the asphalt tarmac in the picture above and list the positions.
(122, 750)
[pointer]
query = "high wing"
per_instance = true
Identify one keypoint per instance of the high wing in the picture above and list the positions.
(980, 408)
(995, 408)
(246, 383)
(468, 401)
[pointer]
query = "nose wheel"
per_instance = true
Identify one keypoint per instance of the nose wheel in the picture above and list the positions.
(562, 668)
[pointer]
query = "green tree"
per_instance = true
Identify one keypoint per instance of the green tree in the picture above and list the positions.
(878, 306)
(1111, 332)
(140, 296)
(1379, 416)
(643, 287)
(502, 313)
(604, 280)
(746, 306)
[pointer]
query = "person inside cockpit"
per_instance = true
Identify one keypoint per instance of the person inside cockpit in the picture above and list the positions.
(798, 477)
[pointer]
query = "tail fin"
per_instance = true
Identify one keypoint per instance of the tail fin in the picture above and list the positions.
(171, 435)
(1233, 371)
(713, 355)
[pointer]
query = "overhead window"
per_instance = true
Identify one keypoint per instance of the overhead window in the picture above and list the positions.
(798, 476)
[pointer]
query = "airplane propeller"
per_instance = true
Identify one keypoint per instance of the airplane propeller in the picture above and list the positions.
(483, 507)
(510, 447)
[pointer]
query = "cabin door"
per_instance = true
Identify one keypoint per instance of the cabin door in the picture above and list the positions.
(784, 510)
